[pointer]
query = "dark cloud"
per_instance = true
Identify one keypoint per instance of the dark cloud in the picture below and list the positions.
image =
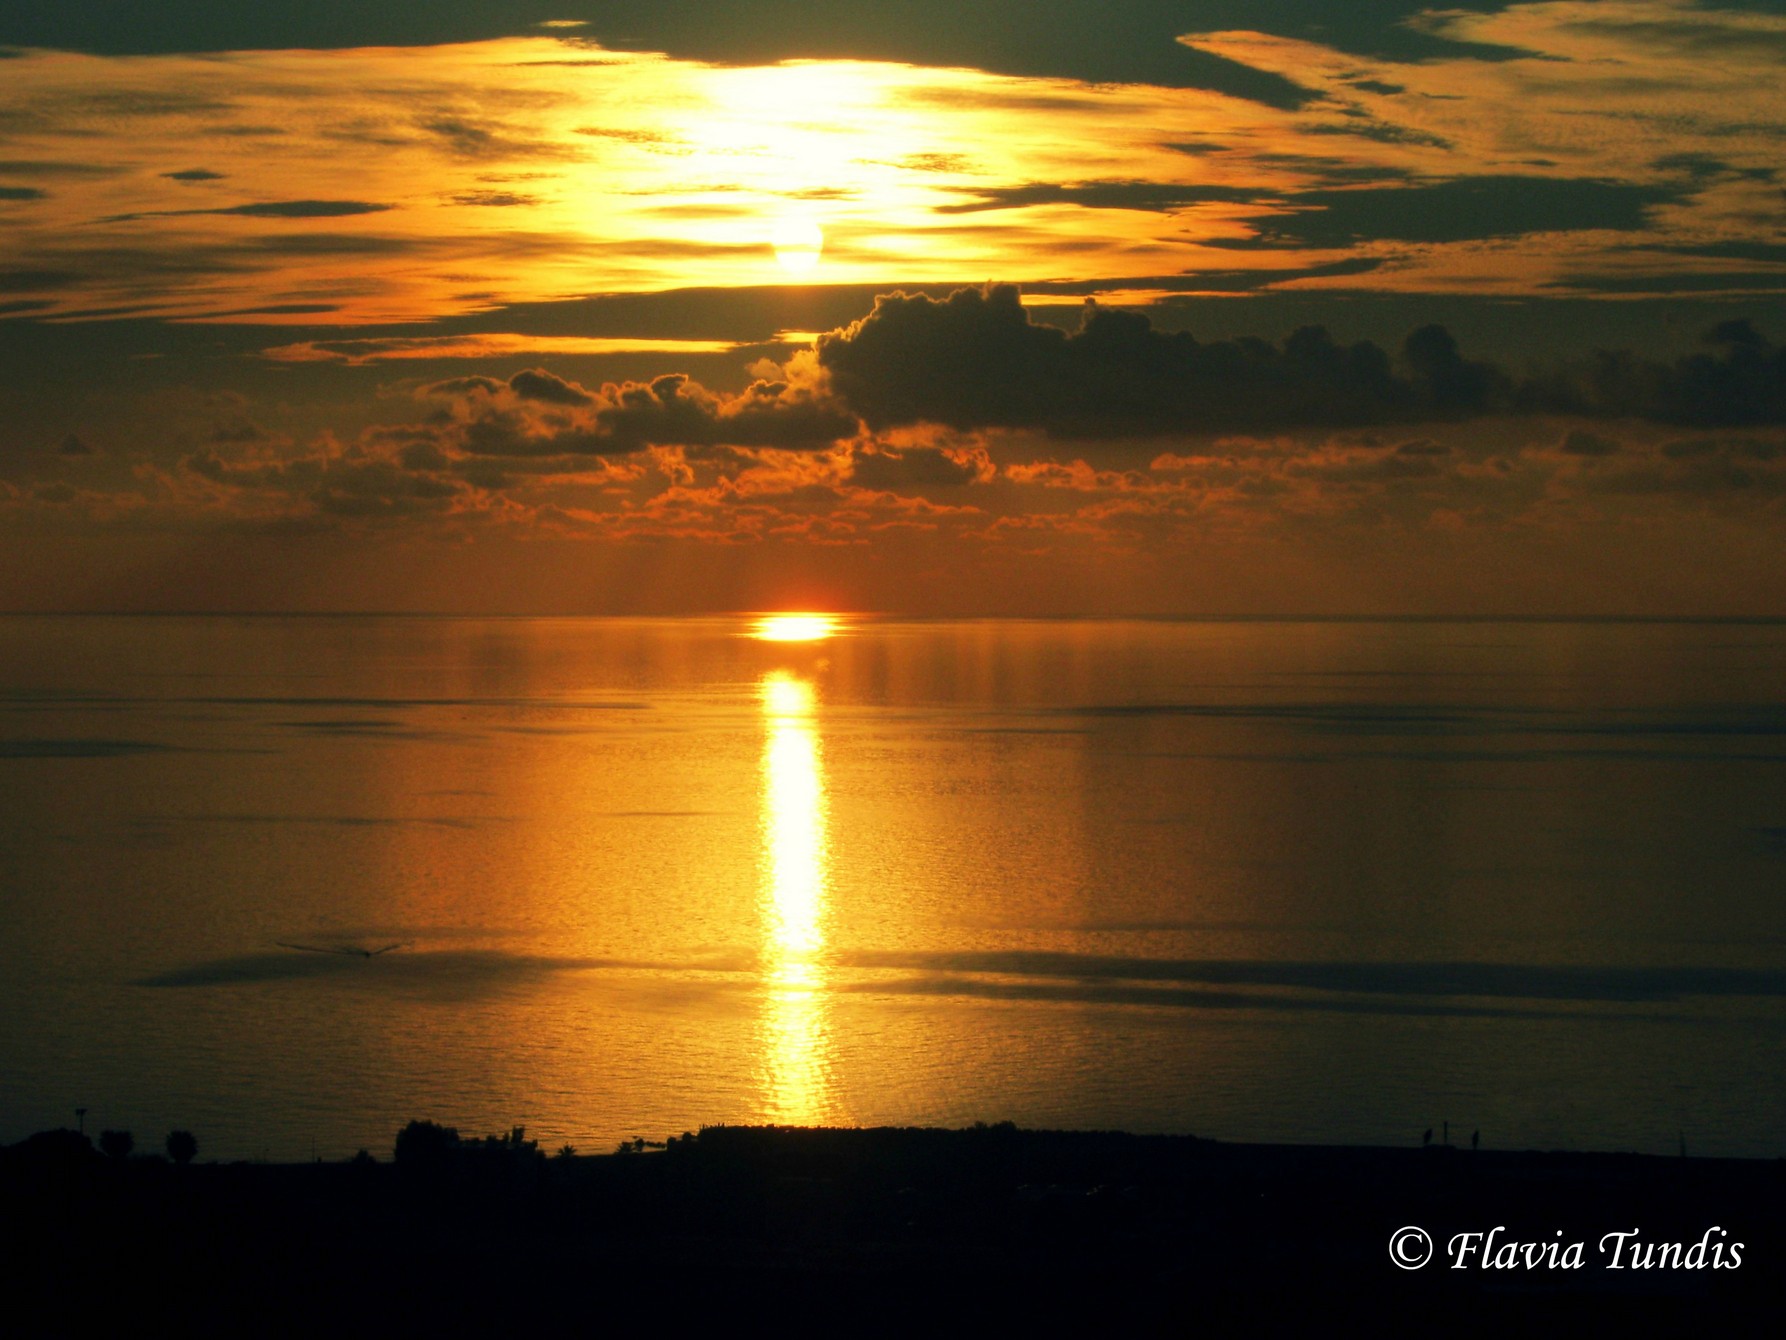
(469, 138)
(1707, 37)
(538, 384)
(20, 193)
(74, 748)
(304, 209)
(1742, 381)
(1119, 41)
(977, 360)
(887, 469)
(237, 433)
(537, 413)
(423, 456)
(1384, 132)
(268, 209)
(342, 485)
(1743, 448)
(1768, 253)
(194, 174)
(493, 199)
(73, 446)
(1461, 210)
(465, 386)
(1705, 167)
(1579, 442)
(49, 167)
(1142, 195)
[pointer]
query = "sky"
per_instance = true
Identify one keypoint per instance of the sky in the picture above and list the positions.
(1141, 307)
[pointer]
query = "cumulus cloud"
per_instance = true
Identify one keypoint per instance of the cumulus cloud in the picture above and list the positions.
(976, 360)
(1740, 379)
(886, 468)
(346, 484)
(538, 413)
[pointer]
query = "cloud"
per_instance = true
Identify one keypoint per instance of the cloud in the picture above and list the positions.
(78, 748)
(1408, 155)
(1142, 195)
(1742, 381)
(268, 209)
(537, 413)
(1452, 211)
(493, 199)
(335, 483)
(538, 384)
(492, 344)
(1580, 442)
(976, 360)
(886, 468)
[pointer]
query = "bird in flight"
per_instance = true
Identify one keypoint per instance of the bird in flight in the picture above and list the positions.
(352, 951)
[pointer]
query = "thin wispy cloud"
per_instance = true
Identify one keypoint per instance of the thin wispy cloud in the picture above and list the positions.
(1609, 134)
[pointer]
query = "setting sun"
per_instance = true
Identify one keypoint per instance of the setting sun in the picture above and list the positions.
(798, 243)
(794, 627)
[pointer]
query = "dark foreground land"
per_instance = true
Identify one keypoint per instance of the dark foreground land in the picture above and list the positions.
(873, 1231)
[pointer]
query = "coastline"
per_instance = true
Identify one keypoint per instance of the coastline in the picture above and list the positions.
(997, 1222)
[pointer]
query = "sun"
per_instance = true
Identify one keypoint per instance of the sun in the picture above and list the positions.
(797, 242)
(794, 627)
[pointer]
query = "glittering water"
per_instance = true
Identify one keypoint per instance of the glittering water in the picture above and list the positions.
(1286, 881)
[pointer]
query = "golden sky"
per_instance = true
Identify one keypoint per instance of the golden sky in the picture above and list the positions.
(459, 324)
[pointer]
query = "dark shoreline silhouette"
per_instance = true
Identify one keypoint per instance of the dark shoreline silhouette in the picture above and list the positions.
(867, 1230)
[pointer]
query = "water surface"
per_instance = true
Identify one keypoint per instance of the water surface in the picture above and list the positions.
(292, 882)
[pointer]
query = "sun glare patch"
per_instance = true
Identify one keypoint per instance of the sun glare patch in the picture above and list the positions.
(794, 627)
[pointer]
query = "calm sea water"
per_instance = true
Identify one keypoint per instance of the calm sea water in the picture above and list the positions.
(1275, 881)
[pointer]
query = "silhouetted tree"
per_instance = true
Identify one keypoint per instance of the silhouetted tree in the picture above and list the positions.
(567, 1151)
(116, 1144)
(182, 1147)
(425, 1142)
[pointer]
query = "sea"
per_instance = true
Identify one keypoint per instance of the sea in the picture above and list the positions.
(290, 883)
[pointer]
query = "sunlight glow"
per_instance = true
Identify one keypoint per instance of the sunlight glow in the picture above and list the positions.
(630, 172)
(794, 627)
(795, 862)
(798, 243)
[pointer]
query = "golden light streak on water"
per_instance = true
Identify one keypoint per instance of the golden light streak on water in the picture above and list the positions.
(796, 1065)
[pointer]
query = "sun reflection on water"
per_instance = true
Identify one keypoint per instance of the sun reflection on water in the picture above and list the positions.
(795, 860)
